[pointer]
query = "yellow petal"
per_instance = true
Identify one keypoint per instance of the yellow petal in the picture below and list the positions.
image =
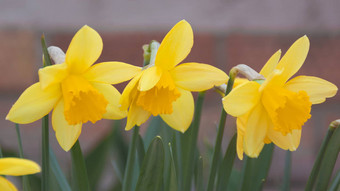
(271, 64)
(241, 126)
(255, 132)
(290, 141)
(239, 81)
(150, 78)
(6, 185)
(175, 46)
(317, 89)
(292, 61)
(112, 95)
(183, 112)
(136, 116)
(66, 134)
(85, 48)
(129, 92)
(53, 74)
(242, 99)
(198, 77)
(111, 72)
(34, 103)
(18, 167)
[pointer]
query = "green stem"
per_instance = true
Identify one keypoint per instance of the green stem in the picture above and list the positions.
(128, 174)
(25, 180)
(287, 171)
(21, 152)
(317, 163)
(189, 168)
(79, 171)
(45, 154)
(45, 129)
(220, 132)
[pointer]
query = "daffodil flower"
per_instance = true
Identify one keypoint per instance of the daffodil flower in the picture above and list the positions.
(163, 88)
(76, 90)
(274, 110)
(15, 167)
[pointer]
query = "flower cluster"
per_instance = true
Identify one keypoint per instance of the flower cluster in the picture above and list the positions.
(78, 91)
(271, 109)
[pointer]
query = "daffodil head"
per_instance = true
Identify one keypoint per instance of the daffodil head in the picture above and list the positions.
(164, 86)
(275, 109)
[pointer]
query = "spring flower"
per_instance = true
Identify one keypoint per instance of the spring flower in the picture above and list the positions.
(274, 110)
(76, 90)
(15, 167)
(163, 87)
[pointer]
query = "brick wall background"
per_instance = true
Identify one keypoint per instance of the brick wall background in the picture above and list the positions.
(227, 33)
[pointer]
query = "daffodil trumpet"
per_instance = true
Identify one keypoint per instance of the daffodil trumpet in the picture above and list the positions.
(76, 90)
(275, 109)
(164, 88)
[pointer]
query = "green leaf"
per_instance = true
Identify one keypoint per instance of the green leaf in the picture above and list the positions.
(336, 182)
(95, 161)
(316, 167)
(226, 165)
(170, 177)
(58, 174)
(151, 172)
(153, 130)
(328, 161)
(256, 169)
(79, 172)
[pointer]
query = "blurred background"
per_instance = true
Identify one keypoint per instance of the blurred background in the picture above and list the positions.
(227, 33)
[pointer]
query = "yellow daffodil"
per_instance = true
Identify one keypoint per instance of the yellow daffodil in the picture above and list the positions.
(163, 88)
(274, 110)
(76, 90)
(15, 167)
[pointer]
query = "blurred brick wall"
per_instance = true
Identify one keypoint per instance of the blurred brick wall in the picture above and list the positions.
(228, 33)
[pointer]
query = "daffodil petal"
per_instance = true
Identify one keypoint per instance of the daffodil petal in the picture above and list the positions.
(53, 74)
(128, 93)
(18, 167)
(183, 112)
(111, 72)
(175, 46)
(84, 49)
(34, 103)
(292, 61)
(242, 99)
(6, 185)
(256, 130)
(290, 141)
(241, 126)
(317, 89)
(271, 64)
(149, 78)
(136, 116)
(66, 134)
(197, 77)
(112, 95)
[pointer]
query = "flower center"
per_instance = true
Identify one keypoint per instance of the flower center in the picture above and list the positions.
(159, 99)
(83, 102)
(288, 110)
